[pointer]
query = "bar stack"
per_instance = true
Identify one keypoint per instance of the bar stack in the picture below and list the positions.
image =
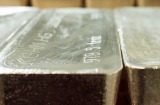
(14, 2)
(109, 3)
(56, 3)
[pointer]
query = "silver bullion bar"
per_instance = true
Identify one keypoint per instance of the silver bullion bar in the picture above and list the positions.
(63, 57)
(139, 31)
(13, 19)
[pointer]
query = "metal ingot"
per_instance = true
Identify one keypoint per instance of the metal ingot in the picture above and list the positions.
(109, 3)
(14, 2)
(62, 57)
(148, 3)
(12, 19)
(57, 3)
(139, 31)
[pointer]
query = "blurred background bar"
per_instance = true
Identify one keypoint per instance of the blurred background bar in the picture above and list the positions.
(14, 2)
(56, 3)
(109, 3)
(148, 2)
(80, 3)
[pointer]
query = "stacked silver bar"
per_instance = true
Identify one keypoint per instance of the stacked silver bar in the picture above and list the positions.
(62, 57)
(139, 31)
(72, 56)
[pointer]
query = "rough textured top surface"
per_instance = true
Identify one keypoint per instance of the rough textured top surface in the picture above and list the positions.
(13, 19)
(139, 32)
(64, 41)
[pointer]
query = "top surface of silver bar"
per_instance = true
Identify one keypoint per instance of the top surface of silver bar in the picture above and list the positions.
(8, 10)
(139, 32)
(12, 20)
(65, 41)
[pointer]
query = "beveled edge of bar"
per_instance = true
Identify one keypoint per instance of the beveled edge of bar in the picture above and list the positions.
(40, 71)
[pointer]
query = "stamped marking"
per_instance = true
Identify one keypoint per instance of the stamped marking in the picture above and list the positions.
(93, 50)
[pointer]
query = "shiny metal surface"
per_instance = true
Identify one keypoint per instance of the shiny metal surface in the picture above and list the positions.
(139, 31)
(70, 55)
(8, 10)
(12, 20)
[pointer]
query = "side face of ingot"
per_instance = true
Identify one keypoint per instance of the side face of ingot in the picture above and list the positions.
(57, 3)
(148, 3)
(53, 89)
(109, 3)
(11, 21)
(73, 55)
(13, 2)
(139, 35)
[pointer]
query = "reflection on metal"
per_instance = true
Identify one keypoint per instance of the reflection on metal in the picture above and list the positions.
(10, 10)
(12, 21)
(63, 57)
(139, 31)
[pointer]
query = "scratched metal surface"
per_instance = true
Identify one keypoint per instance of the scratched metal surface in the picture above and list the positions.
(139, 32)
(12, 20)
(84, 40)
(72, 55)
